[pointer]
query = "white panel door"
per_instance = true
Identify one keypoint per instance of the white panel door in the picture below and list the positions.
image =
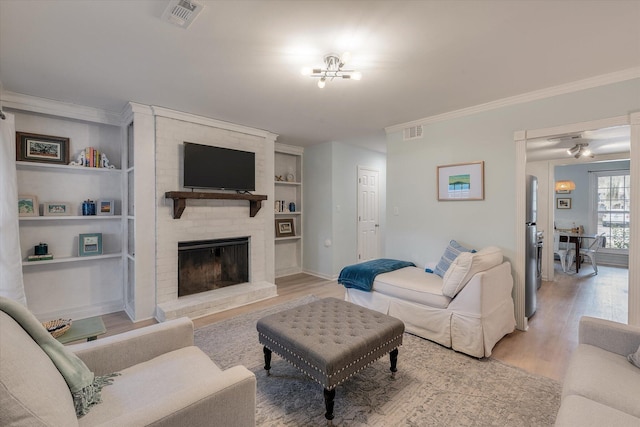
(368, 214)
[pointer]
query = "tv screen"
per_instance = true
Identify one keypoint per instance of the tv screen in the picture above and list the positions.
(220, 168)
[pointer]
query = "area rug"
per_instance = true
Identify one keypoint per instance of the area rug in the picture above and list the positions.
(434, 386)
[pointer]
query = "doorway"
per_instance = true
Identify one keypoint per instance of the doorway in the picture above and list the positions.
(521, 139)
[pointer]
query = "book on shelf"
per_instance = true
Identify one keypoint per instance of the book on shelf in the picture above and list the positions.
(44, 257)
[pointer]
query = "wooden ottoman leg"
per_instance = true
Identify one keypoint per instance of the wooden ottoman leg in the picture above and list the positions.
(393, 357)
(329, 396)
(267, 359)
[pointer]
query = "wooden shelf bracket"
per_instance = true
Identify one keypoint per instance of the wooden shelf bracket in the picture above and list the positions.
(180, 200)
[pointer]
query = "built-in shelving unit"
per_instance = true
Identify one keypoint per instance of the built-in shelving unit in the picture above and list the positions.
(288, 190)
(70, 285)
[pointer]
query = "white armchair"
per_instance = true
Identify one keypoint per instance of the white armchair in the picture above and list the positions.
(165, 381)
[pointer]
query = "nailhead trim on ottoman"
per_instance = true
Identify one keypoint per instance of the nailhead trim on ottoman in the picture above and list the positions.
(330, 340)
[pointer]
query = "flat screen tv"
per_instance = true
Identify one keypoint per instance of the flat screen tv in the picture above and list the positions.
(219, 168)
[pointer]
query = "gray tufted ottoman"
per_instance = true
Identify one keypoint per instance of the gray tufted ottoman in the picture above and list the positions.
(330, 340)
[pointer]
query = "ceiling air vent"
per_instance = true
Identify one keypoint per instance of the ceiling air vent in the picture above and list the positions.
(182, 12)
(414, 132)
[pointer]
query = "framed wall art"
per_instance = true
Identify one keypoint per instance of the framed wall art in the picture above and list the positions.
(284, 227)
(105, 207)
(56, 209)
(563, 203)
(31, 147)
(28, 206)
(462, 181)
(90, 244)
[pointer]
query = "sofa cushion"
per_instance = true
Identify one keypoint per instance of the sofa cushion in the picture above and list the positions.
(583, 412)
(412, 284)
(450, 253)
(605, 377)
(150, 386)
(466, 265)
(32, 390)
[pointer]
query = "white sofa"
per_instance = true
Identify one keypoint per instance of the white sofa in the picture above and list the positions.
(601, 387)
(472, 321)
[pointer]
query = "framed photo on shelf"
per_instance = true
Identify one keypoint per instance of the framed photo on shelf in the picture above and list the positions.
(90, 244)
(563, 203)
(105, 207)
(31, 147)
(28, 206)
(462, 181)
(284, 227)
(56, 209)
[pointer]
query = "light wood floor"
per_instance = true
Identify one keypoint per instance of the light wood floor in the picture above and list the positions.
(544, 349)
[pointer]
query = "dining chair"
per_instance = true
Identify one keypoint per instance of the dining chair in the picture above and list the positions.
(562, 253)
(591, 251)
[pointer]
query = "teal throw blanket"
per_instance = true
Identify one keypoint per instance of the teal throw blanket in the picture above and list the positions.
(361, 276)
(83, 385)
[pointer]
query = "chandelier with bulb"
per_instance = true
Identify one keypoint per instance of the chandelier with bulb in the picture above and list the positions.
(334, 68)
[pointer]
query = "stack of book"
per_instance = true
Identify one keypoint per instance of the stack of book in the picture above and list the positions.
(92, 158)
(44, 257)
(281, 206)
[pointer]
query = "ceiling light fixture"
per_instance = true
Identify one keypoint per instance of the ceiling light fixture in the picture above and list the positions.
(580, 150)
(565, 185)
(333, 69)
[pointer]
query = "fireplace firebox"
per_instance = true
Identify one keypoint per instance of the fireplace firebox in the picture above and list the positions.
(205, 265)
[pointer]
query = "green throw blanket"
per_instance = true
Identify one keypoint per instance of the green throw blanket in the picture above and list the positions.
(83, 385)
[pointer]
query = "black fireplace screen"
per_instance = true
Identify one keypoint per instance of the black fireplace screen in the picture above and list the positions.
(205, 265)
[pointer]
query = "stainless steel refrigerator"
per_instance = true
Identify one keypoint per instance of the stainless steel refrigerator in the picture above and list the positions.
(533, 250)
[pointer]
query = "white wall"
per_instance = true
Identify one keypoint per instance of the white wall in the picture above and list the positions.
(330, 206)
(317, 209)
(424, 226)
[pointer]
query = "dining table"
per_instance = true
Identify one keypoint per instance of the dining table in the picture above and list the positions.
(576, 238)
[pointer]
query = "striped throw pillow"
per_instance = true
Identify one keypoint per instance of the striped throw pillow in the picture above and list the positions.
(453, 250)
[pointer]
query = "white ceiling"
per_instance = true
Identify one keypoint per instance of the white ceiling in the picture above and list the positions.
(240, 61)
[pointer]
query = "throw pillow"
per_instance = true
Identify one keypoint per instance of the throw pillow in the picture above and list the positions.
(466, 265)
(635, 357)
(450, 253)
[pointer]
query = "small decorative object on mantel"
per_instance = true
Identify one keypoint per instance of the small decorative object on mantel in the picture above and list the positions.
(90, 244)
(31, 147)
(105, 207)
(92, 158)
(40, 253)
(88, 208)
(284, 227)
(56, 209)
(279, 178)
(28, 206)
(41, 249)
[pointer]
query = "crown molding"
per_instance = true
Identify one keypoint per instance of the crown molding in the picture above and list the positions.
(206, 121)
(589, 83)
(50, 107)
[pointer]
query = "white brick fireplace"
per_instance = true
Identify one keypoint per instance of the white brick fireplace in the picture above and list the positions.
(210, 219)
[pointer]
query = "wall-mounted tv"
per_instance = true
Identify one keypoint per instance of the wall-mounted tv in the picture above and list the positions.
(206, 166)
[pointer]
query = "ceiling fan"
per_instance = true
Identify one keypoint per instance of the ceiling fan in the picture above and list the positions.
(580, 150)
